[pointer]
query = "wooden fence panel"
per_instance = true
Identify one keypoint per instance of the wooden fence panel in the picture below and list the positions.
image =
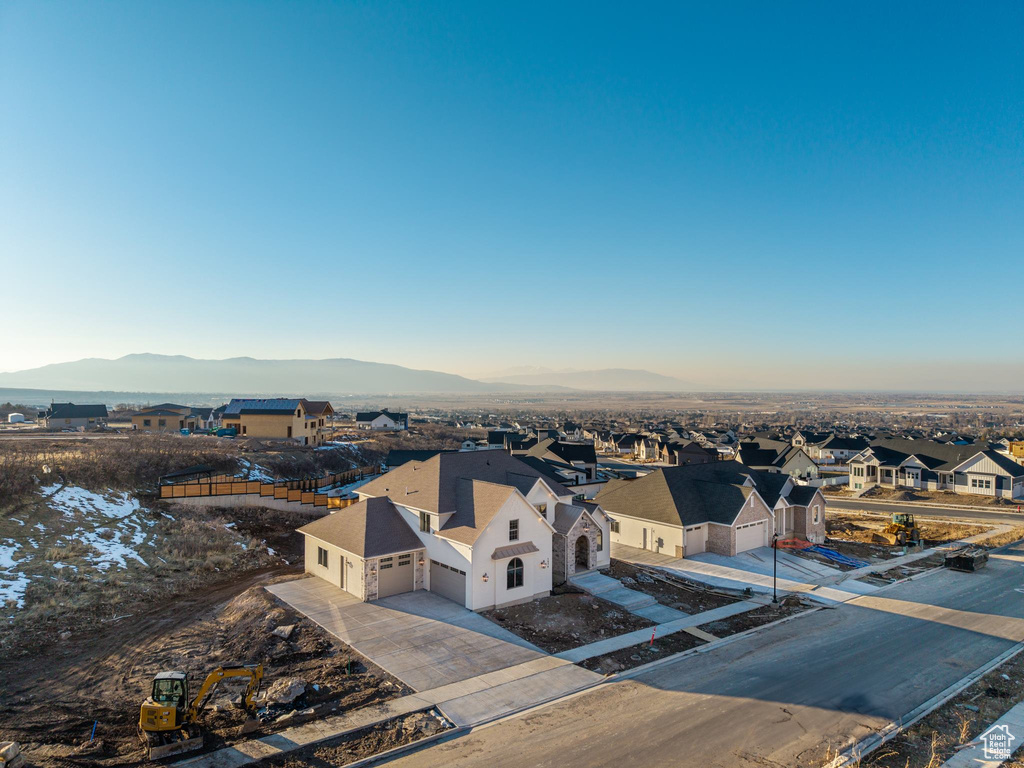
(307, 497)
(166, 491)
(194, 490)
(266, 489)
(280, 492)
(320, 500)
(294, 495)
(253, 486)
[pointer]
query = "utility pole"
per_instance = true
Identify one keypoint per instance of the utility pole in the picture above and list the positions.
(775, 567)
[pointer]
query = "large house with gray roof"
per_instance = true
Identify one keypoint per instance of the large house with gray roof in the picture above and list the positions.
(71, 416)
(482, 528)
(927, 465)
(722, 507)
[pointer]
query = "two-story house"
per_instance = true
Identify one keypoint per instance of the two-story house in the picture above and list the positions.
(279, 418)
(486, 530)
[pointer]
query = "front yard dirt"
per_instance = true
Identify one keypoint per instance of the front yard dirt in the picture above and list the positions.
(676, 593)
(635, 655)
(569, 620)
(741, 622)
(369, 741)
(50, 708)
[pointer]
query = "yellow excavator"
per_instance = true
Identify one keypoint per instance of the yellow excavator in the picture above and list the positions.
(169, 719)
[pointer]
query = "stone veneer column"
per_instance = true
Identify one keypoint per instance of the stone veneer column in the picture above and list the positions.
(370, 580)
(420, 574)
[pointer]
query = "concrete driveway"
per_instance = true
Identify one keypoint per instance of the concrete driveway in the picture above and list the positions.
(424, 640)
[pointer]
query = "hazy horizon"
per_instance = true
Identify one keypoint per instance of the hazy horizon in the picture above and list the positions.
(753, 197)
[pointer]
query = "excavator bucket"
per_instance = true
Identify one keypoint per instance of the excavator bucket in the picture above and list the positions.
(884, 538)
(249, 726)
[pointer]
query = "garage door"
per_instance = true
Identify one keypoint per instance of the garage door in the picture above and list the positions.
(394, 575)
(749, 536)
(448, 582)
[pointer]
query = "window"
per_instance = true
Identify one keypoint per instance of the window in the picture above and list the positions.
(162, 422)
(404, 559)
(817, 514)
(424, 522)
(387, 562)
(513, 530)
(515, 573)
(543, 509)
(600, 540)
(147, 422)
(321, 556)
(614, 526)
(289, 431)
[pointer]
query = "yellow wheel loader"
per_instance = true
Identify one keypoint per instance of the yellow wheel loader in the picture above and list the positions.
(901, 530)
(169, 719)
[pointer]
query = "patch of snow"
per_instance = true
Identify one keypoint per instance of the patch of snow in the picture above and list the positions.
(229, 525)
(256, 472)
(7, 550)
(12, 583)
(70, 499)
(107, 552)
(270, 551)
(19, 522)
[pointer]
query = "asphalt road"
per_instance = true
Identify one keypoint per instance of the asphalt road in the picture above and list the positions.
(779, 697)
(985, 514)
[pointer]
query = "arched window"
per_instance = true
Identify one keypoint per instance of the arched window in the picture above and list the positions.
(600, 539)
(515, 573)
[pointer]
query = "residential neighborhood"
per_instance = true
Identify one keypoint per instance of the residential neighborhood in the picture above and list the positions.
(502, 404)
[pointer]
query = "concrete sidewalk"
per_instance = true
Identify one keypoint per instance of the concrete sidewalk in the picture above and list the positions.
(632, 600)
(638, 636)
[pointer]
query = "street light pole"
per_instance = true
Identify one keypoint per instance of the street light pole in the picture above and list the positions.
(775, 567)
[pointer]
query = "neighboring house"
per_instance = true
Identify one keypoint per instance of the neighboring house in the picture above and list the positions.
(278, 418)
(777, 456)
(722, 507)
(687, 452)
(71, 416)
(840, 450)
(626, 444)
(168, 417)
(927, 465)
(581, 456)
(382, 420)
(489, 530)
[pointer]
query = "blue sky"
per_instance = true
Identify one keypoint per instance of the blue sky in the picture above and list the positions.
(745, 195)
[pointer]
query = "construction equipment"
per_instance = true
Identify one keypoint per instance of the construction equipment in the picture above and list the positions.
(967, 559)
(901, 530)
(169, 721)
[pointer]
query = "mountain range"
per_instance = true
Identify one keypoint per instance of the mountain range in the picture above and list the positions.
(335, 376)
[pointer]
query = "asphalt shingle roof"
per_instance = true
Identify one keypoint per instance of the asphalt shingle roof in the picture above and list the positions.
(370, 528)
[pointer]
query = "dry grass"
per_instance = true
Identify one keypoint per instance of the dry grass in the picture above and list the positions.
(1012, 535)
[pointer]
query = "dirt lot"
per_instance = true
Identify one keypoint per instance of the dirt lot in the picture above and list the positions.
(741, 622)
(369, 741)
(931, 741)
(862, 528)
(569, 620)
(50, 709)
(635, 655)
(675, 593)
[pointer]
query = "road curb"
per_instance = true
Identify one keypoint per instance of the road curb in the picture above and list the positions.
(855, 753)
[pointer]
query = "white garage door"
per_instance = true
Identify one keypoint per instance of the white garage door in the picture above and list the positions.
(749, 536)
(448, 582)
(395, 575)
